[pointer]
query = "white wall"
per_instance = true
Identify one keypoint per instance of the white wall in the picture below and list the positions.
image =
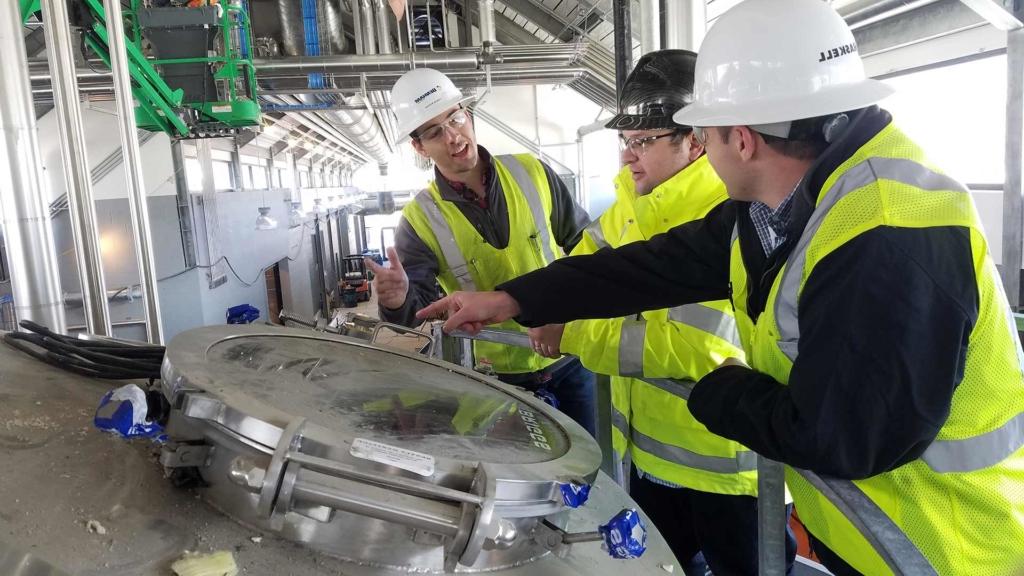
(102, 138)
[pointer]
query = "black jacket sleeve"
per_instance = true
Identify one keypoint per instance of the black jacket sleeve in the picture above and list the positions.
(568, 219)
(421, 267)
(689, 263)
(884, 326)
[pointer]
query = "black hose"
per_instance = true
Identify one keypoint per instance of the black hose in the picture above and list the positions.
(93, 358)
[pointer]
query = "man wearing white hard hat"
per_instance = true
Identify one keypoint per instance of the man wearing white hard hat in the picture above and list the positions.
(482, 221)
(885, 368)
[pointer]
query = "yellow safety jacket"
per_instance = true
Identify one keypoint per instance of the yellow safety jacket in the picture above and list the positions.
(970, 482)
(654, 423)
(468, 263)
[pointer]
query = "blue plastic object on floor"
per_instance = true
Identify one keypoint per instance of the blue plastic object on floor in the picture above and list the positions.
(242, 314)
(123, 411)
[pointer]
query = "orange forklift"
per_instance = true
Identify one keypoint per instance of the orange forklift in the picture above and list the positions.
(355, 281)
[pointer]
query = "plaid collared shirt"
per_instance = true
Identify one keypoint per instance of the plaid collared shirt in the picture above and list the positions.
(771, 224)
(465, 191)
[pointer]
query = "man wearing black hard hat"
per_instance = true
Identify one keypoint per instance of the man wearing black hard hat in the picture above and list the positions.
(700, 489)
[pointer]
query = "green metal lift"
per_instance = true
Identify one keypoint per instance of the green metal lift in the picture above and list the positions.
(207, 88)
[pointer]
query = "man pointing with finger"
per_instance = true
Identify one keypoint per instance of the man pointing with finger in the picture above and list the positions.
(483, 220)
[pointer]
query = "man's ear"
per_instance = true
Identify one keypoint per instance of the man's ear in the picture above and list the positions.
(418, 147)
(696, 149)
(745, 140)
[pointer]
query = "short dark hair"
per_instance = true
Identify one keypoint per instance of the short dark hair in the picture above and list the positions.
(806, 140)
(679, 133)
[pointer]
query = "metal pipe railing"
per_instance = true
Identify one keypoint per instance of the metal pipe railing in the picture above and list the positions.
(133, 169)
(84, 227)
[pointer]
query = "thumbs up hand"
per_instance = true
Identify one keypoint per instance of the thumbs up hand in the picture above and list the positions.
(390, 283)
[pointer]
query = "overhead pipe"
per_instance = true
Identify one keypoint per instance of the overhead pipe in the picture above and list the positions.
(650, 26)
(368, 28)
(77, 176)
(299, 66)
(359, 126)
(685, 24)
(384, 17)
(133, 169)
(623, 46)
(333, 27)
(28, 236)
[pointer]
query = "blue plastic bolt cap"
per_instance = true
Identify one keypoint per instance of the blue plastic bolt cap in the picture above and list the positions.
(575, 494)
(625, 535)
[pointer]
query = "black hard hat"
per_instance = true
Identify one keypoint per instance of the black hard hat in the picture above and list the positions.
(660, 85)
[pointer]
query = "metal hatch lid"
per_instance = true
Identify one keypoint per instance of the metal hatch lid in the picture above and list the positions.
(348, 390)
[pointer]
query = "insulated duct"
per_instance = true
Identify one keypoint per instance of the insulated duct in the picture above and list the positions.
(384, 18)
(359, 125)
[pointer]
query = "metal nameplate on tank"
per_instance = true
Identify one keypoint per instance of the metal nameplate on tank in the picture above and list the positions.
(377, 456)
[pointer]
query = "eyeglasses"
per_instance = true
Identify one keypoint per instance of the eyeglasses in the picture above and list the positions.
(637, 145)
(701, 135)
(456, 120)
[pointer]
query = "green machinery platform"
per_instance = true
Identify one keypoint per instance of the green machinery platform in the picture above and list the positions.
(191, 68)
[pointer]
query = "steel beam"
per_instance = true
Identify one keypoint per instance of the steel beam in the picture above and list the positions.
(1003, 14)
(1013, 192)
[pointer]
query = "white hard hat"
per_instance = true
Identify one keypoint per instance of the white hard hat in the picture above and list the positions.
(419, 95)
(768, 62)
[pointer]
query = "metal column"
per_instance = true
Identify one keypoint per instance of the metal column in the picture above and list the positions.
(1013, 192)
(26, 217)
(77, 175)
(685, 23)
(133, 169)
(623, 46)
(771, 518)
(650, 26)
(184, 198)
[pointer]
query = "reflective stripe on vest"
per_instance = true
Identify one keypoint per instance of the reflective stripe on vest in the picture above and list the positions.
(631, 347)
(620, 422)
(744, 461)
(529, 189)
(446, 241)
(446, 237)
(962, 455)
(597, 234)
(707, 319)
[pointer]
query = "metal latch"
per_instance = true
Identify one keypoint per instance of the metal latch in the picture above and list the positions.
(185, 455)
(294, 481)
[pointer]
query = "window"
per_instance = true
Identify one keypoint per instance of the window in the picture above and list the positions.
(4, 275)
(961, 125)
(259, 177)
(304, 179)
(194, 174)
(246, 177)
(276, 179)
(222, 175)
(287, 178)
